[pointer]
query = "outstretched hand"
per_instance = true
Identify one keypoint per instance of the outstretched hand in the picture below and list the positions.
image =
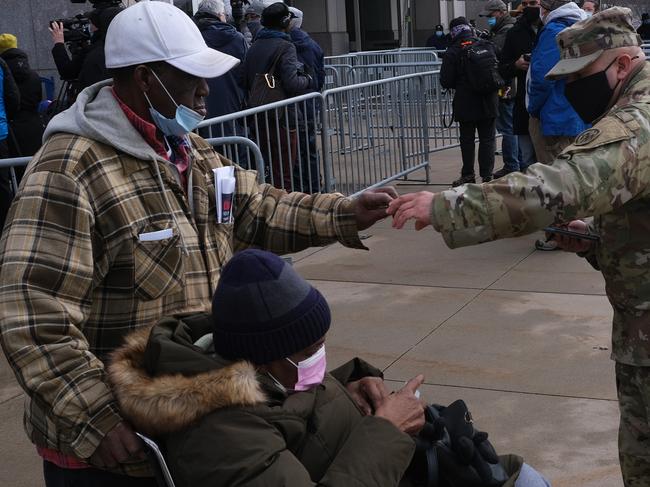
(414, 206)
(370, 206)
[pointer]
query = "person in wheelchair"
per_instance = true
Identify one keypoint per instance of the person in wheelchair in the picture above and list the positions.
(242, 397)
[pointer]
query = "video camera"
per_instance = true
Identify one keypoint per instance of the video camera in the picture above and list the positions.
(77, 31)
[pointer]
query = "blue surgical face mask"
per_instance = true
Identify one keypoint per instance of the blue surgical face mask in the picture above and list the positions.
(439, 33)
(185, 121)
(589, 14)
(492, 21)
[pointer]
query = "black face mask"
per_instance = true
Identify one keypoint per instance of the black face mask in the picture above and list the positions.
(590, 96)
(531, 14)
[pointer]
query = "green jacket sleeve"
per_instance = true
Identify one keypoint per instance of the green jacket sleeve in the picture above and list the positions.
(595, 176)
(253, 453)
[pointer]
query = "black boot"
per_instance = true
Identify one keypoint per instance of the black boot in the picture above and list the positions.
(464, 180)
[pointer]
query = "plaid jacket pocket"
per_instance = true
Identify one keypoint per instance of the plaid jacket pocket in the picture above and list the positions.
(159, 267)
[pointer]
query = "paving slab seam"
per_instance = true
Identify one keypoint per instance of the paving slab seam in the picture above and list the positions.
(430, 286)
(508, 391)
(479, 294)
(5, 401)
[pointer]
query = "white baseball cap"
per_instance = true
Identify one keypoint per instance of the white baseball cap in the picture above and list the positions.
(152, 31)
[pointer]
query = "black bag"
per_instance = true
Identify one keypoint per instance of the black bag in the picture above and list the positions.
(479, 60)
(450, 452)
(266, 87)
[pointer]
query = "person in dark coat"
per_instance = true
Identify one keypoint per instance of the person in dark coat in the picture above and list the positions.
(9, 106)
(513, 64)
(26, 124)
(644, 28)
(310, 54)
(278, 143)
(88, 66)
(250, 380)
(473, 111)
(439, 40)
(500, 22)
(226, 95)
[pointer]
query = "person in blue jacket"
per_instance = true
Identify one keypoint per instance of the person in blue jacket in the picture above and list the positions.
(311, 56)
(554, 123)
(226, 94)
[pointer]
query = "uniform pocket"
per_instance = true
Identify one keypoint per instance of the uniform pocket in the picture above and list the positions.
(158, 267)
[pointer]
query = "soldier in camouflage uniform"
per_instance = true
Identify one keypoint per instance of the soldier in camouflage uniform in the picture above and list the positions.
(599, 184)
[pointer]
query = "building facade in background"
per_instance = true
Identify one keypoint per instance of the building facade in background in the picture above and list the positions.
(340, 26)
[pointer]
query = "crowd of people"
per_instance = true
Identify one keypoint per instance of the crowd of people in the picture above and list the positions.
(132, 304)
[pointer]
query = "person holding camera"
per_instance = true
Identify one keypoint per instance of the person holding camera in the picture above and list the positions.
(251, 377)
(513, 64)
(87, 66)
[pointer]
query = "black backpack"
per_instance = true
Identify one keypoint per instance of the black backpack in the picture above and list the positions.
(479, 62)
(451, 452)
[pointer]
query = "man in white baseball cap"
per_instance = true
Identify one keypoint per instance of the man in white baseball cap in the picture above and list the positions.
(115, 226)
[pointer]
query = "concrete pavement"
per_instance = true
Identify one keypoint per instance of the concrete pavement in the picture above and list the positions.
(522, 336)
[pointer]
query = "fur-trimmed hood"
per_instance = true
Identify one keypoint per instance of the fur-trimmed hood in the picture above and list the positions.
(157, 400)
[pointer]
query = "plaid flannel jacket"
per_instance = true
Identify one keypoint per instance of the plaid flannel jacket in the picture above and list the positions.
(75, 277)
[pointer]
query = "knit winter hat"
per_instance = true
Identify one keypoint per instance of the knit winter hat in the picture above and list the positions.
(263, 310)
(553, 4)
(8, 41)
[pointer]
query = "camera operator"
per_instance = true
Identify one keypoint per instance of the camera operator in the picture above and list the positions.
(87, 66)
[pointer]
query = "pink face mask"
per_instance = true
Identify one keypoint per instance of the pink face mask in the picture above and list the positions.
(311, 371)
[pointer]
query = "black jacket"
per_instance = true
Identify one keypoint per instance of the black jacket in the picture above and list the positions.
(500, 31)
(26, 123)
(88, 67)
(259, 59)
(226, 95)
(519, 41)
(468, 105)
(439, 43)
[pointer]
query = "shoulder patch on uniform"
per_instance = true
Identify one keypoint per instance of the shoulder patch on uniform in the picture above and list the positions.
(607, 131)
(587, 136)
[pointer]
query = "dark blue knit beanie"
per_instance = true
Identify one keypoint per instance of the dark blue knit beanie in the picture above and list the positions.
(263, 310)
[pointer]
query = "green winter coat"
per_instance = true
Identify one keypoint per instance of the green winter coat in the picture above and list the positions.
(222, 424)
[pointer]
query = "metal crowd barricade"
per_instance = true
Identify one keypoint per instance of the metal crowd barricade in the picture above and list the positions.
(373, 72)
(12, 164)
(385, 130)
(227, 143)
(286, 133)
(348, 138)
(424, 55)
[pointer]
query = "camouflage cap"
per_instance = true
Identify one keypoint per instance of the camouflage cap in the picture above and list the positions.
(583, 42)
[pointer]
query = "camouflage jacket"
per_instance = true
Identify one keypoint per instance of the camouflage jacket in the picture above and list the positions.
(605, 173)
